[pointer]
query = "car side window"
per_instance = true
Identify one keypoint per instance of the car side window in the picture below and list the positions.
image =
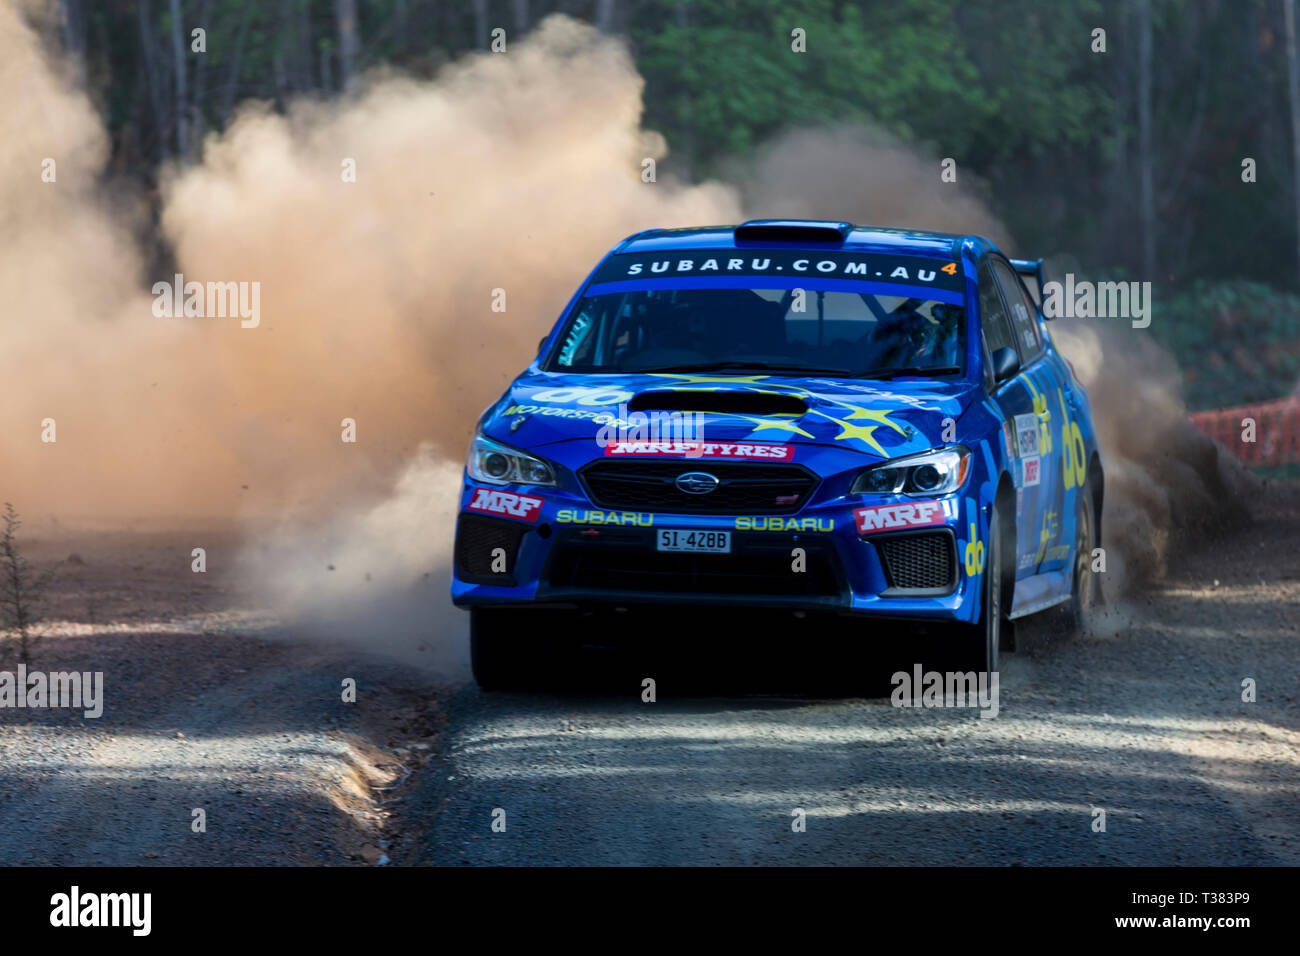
(993, 317)
(1024, 320)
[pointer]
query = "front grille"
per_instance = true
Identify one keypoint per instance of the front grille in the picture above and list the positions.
(744, 488)
(476, 540)
(701, 574)
(920, 561)
(623, 562)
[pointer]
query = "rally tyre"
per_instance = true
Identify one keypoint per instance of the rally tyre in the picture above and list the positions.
(1085, 594)
(983, 639)
(498, 657)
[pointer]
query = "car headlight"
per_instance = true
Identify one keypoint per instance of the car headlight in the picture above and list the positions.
(498, 464)
(938, 472)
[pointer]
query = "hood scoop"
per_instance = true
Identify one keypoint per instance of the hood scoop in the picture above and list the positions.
(721, 402)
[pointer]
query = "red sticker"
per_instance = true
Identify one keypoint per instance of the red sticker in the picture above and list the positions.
(525, 507)
(912, 514)
(1031, 470)
(701, 449)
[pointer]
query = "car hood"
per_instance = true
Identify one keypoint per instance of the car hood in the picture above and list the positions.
(880, 418)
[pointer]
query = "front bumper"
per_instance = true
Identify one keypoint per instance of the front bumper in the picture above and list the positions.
(556, 549)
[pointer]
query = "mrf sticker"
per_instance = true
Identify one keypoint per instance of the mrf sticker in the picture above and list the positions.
(506, 504)
(912, 514)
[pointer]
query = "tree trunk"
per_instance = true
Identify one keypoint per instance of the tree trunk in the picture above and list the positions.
(74, 35)
(326, 77)
(345, 12)
(401, 24)
(1293, 86)
(152, 73)
(197, 88)
(306, 51)
(605, 16)
(178, 56)
(232, 78)
(1146, 197)
(480, 24)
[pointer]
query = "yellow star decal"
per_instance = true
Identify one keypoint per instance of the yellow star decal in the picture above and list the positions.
(759, 383)
(760, 424)
(862, 433)
(881, 418)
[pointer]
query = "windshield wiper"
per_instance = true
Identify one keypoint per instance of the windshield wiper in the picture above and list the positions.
(910, 370)
(737, 365)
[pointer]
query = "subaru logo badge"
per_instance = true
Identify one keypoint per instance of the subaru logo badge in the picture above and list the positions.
(697, 482)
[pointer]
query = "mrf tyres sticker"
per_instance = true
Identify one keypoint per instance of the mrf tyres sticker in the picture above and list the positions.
(700, 449)
(506, 504)
(911, 514)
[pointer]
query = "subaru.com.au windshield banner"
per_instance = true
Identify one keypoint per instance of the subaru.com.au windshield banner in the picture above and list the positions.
(787, 263)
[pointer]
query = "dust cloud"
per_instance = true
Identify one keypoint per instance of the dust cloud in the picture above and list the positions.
(863, 175)
(1167, 485)
(510, 173)
(507, 172)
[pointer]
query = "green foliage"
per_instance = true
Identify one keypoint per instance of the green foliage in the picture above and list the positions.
(726, 78)
(1237, 342)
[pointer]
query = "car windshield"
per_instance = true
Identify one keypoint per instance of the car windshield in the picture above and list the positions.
(827, 331)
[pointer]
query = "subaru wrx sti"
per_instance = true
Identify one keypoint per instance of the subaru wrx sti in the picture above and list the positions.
(794, 415)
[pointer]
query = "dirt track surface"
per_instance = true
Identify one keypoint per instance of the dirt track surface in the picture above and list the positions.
(206, 707)
(210, 705)
(1143, 720)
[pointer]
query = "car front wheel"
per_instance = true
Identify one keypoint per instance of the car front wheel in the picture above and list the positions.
(983, 639)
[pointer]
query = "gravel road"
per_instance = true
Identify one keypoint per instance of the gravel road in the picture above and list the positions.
(1143, 720)
(205, 707)
(210, 705)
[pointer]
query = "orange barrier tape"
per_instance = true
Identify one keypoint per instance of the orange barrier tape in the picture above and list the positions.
(1276, 433)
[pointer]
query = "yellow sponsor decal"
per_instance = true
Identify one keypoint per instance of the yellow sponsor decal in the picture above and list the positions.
(974, 553)
(785, 524)
(1051, 528)
(579, 516)
(1040, 412)
(1074, 455)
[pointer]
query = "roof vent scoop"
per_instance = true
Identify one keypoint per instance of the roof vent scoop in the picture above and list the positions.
(794, 230)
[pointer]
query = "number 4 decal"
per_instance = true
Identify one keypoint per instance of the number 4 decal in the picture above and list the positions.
(950, 268)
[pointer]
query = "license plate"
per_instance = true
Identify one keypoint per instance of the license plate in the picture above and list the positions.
(711, 542)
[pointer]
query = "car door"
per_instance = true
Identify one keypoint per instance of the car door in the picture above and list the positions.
(1039, 465)
(1016, 402)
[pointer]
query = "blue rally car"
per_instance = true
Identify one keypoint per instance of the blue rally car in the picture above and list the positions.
(794, 415)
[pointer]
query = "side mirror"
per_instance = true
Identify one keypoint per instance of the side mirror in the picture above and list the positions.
(1006, 363)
